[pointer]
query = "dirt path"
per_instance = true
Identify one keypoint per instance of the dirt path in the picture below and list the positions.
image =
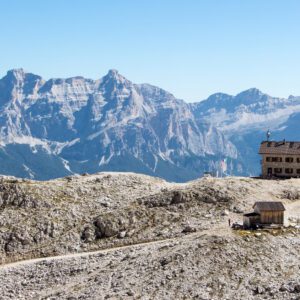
(83, 254)
(292, 210)
(219, 229)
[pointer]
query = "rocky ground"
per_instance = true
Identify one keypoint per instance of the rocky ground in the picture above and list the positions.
(160, 240)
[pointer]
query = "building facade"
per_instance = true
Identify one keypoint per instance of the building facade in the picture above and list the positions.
(280, 159)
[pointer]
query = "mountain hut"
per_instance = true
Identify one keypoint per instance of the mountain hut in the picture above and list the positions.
(266, 213)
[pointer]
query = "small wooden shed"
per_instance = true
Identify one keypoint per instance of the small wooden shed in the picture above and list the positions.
(265, 213)
(251, 220)
(270, 212)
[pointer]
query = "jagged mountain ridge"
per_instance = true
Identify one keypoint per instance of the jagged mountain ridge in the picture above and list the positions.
(61, 126)
(234, 114)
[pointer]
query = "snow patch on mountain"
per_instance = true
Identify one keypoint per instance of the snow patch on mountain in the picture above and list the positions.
(31, 174)
(66, 165)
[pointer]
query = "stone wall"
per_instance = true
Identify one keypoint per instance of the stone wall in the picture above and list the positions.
(280, 165)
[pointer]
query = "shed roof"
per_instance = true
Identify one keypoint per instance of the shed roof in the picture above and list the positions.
(252, 214)
(281, 147)
(269, 205)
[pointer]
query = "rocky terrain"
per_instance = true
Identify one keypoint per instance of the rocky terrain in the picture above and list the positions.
(130, 236)
(82, 213)
(196, 266)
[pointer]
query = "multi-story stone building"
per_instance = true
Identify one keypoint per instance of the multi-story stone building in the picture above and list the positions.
(280, 159)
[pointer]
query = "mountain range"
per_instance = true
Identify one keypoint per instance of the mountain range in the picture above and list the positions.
(57, 127)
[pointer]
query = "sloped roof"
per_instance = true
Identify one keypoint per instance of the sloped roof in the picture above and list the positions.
(270, 205)
(281, 147)
(252, 214)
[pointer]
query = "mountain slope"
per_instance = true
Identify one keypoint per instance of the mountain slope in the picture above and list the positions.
(62, 126)
(245, 118)
(246, 111)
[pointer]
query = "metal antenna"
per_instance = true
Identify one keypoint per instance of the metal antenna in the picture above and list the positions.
(268, 134)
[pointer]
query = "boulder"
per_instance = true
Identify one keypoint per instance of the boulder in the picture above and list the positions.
(297, 288)
(188, 229)
(110, 225)
(122, 234)
(88, 234)
(177, 197)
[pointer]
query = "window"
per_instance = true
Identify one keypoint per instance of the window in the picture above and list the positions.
(289, 171)
(289, 159)
(278, 170)
(291, 144)
(298, 171)
(298, 159)
(276, 159)
(269, 144)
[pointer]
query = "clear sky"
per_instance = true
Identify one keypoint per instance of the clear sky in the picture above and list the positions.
(192, 48)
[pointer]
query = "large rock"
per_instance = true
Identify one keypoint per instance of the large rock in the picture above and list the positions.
(111, 225)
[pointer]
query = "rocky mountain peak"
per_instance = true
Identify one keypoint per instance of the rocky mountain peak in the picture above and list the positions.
(219, 98)
(114, 84)
(113, 75)
(17, 84)
(252, 93)
(15, 77)
(113, 72)
(17, 73)
(21, 77)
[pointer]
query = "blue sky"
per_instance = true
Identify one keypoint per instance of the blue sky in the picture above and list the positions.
(192, 48)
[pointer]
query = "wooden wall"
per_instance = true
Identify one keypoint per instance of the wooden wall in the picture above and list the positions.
(269, 217)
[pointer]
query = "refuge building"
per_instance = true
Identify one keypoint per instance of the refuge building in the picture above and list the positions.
(280, 159)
